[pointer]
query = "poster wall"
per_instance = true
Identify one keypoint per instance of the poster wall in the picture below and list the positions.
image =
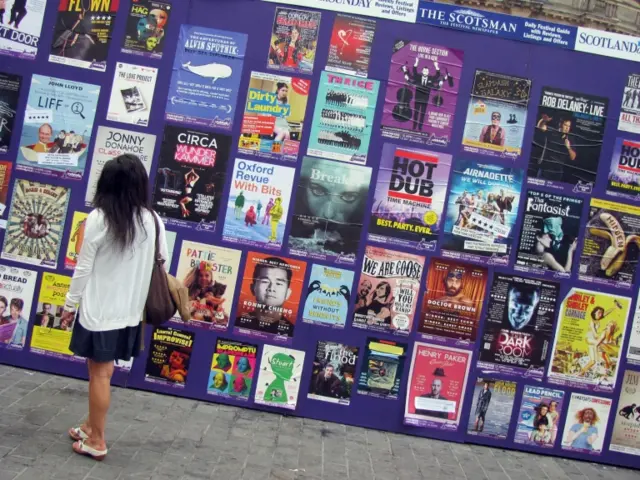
(17, 287)
(147, 26)
(278, 382)
(20, 28)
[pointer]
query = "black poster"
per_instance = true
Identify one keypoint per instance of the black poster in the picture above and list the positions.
(9, 94)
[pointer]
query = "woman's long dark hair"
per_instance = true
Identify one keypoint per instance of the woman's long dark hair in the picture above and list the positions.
(123, 194)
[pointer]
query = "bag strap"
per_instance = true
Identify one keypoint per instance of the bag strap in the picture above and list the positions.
(157, 247)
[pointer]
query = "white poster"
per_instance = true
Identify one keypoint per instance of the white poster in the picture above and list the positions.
(278, 381)
(132, 94)
(17, 287)
(401, 10)
(20, 27)
(586, 425)
(633, 352)
(171, 245)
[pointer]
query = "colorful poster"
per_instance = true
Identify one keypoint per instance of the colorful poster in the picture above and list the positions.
(481, 212)
(587, 419)
(76, 237)
(518, 326)
(333, 372)
(132, 94)
(147, 26)
(111, 143)
(540, 415)
(9, 95)
(5, 177)
(36, 223)
(422, 92)
(278, 382)
(17, 287)
(633, 352)
(626, 429)
(207, 68)
(624, 173)
(190, 177)
(382, 368)
(328, 211)
(388, 291)
(437, 383)
(408, 204)
(270, 297)
(232, 369)
(169, 357)
(274, 116)
(452, 302)
(588, 342)
(20, 35)
(343, 118)
(490, 414)
(405, 11)
(294, 39)
(350, 45)
(83, 32)
(567, 140)
(210, 274)
(327, 297)
(629, 120)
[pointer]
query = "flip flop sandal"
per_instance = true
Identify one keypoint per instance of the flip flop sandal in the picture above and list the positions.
(77, 433)
(82, 448)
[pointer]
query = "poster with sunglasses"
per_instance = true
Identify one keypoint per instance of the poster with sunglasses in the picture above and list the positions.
(294, 39)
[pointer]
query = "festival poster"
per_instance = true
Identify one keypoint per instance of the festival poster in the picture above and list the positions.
(207, 68)
(20, 28)
(625, 437)
(452, 302)
(333, 373)
(274, 116)
(132, 94)
(343, 118)
(327, 296)
(481, 212)
(278, 382)
(567, 140)
(232, 369)
(588, 342)
(76, 237)
(111, 143)
(497, 115)
(258, 204)
(9, 95)
(350, 45)
(490, 414)
(408, 203)
(518, 326)
(58, 124)
(147, 26)
(5, 177)
(83, 32)
(611, 245)
(382, 368)
(387, 296)
(169, 357)
(587, 419)
(190, 177)
(437, 384)
(329, 211)
(294, 39)
(540, 415)
(269, 297)
(422, 92)
(36, 223)
(17, 287)
(549, 236)
(209, 273)
(629, 120)
(624, 173)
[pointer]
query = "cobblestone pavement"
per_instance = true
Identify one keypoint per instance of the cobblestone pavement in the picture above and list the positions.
(159, 437)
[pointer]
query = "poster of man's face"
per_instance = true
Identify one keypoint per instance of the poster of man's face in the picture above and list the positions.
(271, 285)
(522, 304)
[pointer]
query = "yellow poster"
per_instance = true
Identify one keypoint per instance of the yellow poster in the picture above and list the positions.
(76, 237)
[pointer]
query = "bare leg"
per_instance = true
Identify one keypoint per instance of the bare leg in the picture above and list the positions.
(99, 400)
(86, 426)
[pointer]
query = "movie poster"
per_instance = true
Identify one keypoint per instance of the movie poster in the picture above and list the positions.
(207, 68)
(626, 429)
(624, 173)
(611, 245)
(549, 235)
(350, 45)
(9, 95)
(540, 415)
(258, 204)
(294, 39)
(274, 116)
(190, 177)
(518, 326)
(329, 210)
(437, 383)
(490, 414)
(169, 357)
(343, 118)
(481, 212)
(382, 368)
(328, 296)
(146, 28)
(567, 140)
(333, 373)
(587, 419)
(497, 115)
(83, 32)
(5, 177)
(279, 377)
(232, 369)
(20, 27)
(387, 295)
(17, 287)
(76, 237)
(422, 92)
(629, 120)
(588, 343)
(132, 94)
(270, 297)
(58, 124)
(452, 302)
(409, 199)
(209, 273)
(36, 223)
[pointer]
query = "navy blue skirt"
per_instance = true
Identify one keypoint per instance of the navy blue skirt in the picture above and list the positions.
(106, 346)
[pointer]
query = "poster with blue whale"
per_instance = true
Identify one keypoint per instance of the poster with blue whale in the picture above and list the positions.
(206, 74)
